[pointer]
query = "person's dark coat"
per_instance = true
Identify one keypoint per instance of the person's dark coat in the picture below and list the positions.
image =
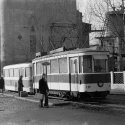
(20, 85)
(1, 83)
(43, 86)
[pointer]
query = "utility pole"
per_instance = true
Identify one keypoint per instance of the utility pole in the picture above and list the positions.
(123, 7)
(121, 60)
(121, 40)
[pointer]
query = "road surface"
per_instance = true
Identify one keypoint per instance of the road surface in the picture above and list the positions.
(15, 111)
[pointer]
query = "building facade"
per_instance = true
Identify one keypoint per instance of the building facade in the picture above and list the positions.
(29, 26)
(115, 32)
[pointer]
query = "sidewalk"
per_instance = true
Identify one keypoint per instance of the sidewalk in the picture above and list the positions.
(114, 92)
(52, 102)
(31, 98)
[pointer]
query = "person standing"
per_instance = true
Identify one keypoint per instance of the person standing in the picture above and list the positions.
(43, 89)
(2, 84)
(20, 84)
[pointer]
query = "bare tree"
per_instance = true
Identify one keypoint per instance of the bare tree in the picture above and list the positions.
(100, 18)
(96, 10)
(59, 19)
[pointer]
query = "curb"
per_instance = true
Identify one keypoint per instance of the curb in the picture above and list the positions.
(117, 93)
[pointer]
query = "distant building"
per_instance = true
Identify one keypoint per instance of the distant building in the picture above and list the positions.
(113, 39)
(114, 23)
(29, 26)
(70, 35)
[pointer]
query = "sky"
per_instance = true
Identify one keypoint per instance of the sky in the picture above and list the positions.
(88, 14)
(81, 4)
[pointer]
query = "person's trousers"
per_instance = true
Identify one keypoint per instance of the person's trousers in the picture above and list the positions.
(44, 100)
(19, 92)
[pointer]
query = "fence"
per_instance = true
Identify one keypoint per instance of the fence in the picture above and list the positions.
(118, 82)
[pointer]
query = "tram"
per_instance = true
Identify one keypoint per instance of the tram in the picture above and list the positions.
(12, 73)
(74, 73)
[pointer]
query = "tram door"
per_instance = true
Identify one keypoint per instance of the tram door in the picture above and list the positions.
(74, 74)
(46, 67)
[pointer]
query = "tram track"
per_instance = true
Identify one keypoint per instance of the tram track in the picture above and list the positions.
(109, 104)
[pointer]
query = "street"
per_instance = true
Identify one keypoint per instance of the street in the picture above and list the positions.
(15, 111)
(71, 51)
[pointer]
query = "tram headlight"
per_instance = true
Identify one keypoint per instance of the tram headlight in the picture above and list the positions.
(100, 84)
(88, 86)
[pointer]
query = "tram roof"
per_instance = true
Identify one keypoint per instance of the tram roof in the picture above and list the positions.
(18, 65)
(87, 51)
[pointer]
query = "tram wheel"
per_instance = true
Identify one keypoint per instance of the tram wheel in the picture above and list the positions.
(78, 96)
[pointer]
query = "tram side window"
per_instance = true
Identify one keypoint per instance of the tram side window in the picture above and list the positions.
(39, 68)
(81, 64)
(22, 72)
(54, 66)
(6, 73)
(74, 65)
(87, 63)
(48, 69)
(71, 67)
(44, 69)
(16, 72)
(63, 65)
(28, 72)
(33, 69)
(11, 73)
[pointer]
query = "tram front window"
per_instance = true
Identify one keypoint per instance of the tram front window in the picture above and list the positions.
(95, 63)
(99, 65)
(87, 63)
